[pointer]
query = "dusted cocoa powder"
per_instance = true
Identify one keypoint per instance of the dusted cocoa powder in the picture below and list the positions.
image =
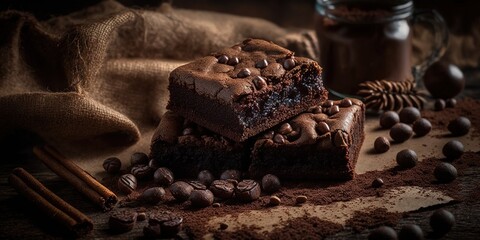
(372, 219)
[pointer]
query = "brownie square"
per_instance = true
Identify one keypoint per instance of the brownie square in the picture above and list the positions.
(241, 91)
(322, 143)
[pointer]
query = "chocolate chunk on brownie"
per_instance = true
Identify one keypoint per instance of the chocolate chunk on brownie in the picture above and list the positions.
(187, 148)
(322, 143)
(241, 91)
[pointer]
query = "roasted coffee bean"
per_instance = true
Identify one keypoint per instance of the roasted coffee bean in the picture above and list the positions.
(442, 221)
(223, 59)
(141, 171)
(453, 149)
(152, 231)
(112, 165)
(247, 190)
(445, 172)
(407, 158)
(139, 158)
(401, 132)
(289, 63)
(121, 221)
(459, 126)
(259, 82)
(153, 195)
(274, 201)
(388, 119)
(439, 105)
(270, 183)
(197, 185)
(245, 72)
(410, 232)
(233, 61)
(261, 64)
(333, 110)
(279, 138)
(327, 104)
(451, 103)
(377, 182)
(285, 129)
(127, 183)
(222, 189)
(300, 199)
(383, 233)
(163, 177)
(170, 224)
(346, 103)
(421, 127)
(322, 128)
(409, 115)
(181, 191)
(201, 198)
(205, 177)
(231, 174)
(381, 145)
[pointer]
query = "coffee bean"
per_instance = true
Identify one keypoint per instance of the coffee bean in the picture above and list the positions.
(261, 64)
(289, 63)
(127, 183)
(322, 128)
(139, 158)
(152, 231)
(445, 172)
(401, 132)
(163, 177)
(231, 174)
(112, 165)
(421, 127)
(285, 129)
(408, 115)
(205, 177)
(459, 126)
(170, 224)
(333, 110)
(222, 189)
(197, 185)
(407, 158)
(279, 138)
(121, 221)
(439, 105)
(153, 195)
(453, 149)
(327, 104)
(270, 183)
(245, 72)
(201, 198)
(233, 61)
(442, 221)
(274, 201)
(377, 182)
(300, 199)
(141, 216)
(141, 171)
(381, 145)
(388, 119)
(247, 190)
(383, 233)
(451, 103)
(346, 103)
(410, 232)
(216, 205)
(223, 59)
(181, 191)
(259, 82)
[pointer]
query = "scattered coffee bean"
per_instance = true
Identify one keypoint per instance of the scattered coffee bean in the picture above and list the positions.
(247, 190)
(141, 171)
(141, 216)
(453, 149)
(410, 232)
(121, 221)
(289, 63)
(388, 119)
(274, 201)
(322, 128)
(181, 191)
(401, 132)
(261, 64)
(152, 231)
(223, 226)
(383, 233)
(270, 183)
(345, 102)
(222, 189)
(153, 195)
(377, 182)
(407, 158)
(245, 72)
(216, 205)
(442, 221)
(259, 82)
(201, 198)
(381, 145)
(300, 199)
(445, 172)
(439, 105)
(112, 165)
(205, 177)
(459, 126)
(197, 185)
(223, 59)
(163, 177)
(421, 127)
(451, 103)
(233, 61)
(139, 158)
(409, 115)
(127, 183)
(231, 174)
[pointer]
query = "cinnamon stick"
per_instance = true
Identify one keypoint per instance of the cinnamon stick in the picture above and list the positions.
(77, 177)
(49, 203)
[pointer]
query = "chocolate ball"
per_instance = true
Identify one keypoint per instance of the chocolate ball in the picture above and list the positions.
(459, 126)
(409, 115)
(270, 183)
(139, 158)
(401, 132)
(163, 177)
(445, 172)
(231, 174)
(223, 59)
(407, 158)
(453, 149)
(181, 191)
(112, 165)
(205, 177)
(377, 182)
(410, 232)
(289, 63)
(388, 119)
(383, 233)
(381, 145)
(421, 127)
(451, 103)
(444, 80)
(442, 221)
(201, 198)
(153, 195)
(439, 105)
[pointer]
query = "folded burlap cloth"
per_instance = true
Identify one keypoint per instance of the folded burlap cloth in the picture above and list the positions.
(100, 75)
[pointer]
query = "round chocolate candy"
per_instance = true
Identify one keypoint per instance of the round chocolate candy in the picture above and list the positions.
(401, 132)
(381, 145)
(409, 115)
(270, 183)
(410, 232)
(439, 105)
(233, 61)
(459, 126)
(442, 221)
(388, 119)
(377, 182)
(112, 165)
(231, 174)
(138, 158)
(444, 80)
(451, 103)
(383, 233)
(205, 177)
(421, 127)
(453, 149)
(127, 183)
(445, 172)
(223, 59)
(181, 191)
(153, 195)
(407, 158)
(289, 63)
(163, 177)
(201, 198)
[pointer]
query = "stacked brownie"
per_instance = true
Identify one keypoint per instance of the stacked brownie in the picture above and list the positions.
(256, 107)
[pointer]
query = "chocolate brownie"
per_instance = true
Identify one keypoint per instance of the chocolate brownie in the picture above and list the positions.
(323, 143)
(241, 91)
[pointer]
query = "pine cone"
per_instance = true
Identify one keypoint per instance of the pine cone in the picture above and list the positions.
(387, 95)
